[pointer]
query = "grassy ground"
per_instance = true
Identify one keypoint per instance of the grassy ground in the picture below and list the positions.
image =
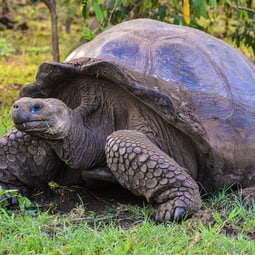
(223, 226)
(95, 223)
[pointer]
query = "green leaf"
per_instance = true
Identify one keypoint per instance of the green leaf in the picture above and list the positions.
(218, 218)
(85, 10)
(200, 8)
(100, 2)
(162, 12)
(229, 2)
(213, 3)
(24, 202)
(99, 13)
(176, 4)
(88, 34)
(154, 3)
(245, 15)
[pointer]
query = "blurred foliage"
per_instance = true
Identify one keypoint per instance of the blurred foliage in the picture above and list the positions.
(6, 48)
(222, 18)
(231, 20)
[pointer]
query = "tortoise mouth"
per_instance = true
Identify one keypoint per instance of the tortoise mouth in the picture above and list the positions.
(33, 126)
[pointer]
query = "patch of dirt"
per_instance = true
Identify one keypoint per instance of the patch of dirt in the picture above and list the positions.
(226, 226)
(225, 215)
(111, 204)
(64, 199)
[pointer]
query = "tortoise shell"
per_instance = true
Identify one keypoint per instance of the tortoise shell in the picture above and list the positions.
(196, 82)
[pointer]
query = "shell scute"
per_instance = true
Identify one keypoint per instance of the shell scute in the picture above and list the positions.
(196, 82)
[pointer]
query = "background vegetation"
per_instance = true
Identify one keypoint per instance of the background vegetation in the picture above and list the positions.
(226, 19)
(225, 224)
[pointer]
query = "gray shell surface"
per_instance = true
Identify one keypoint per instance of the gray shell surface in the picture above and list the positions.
(196, 82)
(219, 81)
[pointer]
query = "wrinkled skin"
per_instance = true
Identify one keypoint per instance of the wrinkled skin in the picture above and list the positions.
(126, 143)
(137, 149)
(153, 168)
(154, 107)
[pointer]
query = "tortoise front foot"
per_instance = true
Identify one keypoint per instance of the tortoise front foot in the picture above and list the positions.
(180, 203)
(25, 163)
(140, 166)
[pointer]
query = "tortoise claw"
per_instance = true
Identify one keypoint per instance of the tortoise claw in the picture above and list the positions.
(9, 201)
(7, 196)
(169, 212)
(164, 212)
(179, 214)
(162, 216)
(14, 201)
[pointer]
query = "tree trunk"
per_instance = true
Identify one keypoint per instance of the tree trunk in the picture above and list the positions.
(51, 4)
(5, 7)
(68, 25)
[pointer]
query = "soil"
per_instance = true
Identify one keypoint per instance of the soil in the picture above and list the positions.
(111, 204)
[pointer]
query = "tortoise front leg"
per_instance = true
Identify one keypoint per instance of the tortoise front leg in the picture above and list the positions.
(26, 162)
(140, 166)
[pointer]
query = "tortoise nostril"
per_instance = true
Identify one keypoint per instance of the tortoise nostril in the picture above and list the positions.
(15, 106)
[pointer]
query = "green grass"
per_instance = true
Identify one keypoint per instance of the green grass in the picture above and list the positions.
(5, 121)
(21, 233)
(223, 226)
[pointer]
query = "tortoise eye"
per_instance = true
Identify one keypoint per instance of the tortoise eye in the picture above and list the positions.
(36, 108)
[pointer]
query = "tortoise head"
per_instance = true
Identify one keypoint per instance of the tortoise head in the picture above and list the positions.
(43, 117)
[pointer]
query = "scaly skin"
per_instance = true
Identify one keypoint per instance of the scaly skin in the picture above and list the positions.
(140, 166)
(136, 162)
(26, 162)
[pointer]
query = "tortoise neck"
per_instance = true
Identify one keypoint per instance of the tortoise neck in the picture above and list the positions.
(83, 146)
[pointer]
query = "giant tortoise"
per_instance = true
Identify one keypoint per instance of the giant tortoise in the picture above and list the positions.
(155, 107)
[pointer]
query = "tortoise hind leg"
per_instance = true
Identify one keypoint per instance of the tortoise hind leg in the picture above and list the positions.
(140, 166)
